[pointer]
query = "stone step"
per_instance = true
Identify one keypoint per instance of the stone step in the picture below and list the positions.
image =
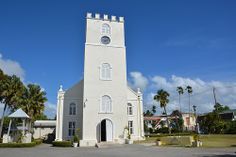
(108, 144)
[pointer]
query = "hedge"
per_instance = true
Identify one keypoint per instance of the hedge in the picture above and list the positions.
(38, 141)
(17, 145)
(61, 144)
(175, 134)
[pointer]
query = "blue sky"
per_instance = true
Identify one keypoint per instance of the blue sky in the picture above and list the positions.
(169, 43)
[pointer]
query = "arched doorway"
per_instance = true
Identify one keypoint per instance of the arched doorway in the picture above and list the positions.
(106, 130)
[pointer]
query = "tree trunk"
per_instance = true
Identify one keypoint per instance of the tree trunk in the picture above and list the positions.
(168, 124)
(189, 111)
(2, 121)
(179, 104)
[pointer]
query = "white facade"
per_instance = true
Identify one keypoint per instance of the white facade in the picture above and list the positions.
(101, 99)
(189, 123)
(42, 128)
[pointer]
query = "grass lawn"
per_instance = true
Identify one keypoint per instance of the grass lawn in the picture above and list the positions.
(208, 140)
(218, 140)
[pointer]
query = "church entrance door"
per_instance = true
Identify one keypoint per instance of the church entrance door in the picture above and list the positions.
(106, 130)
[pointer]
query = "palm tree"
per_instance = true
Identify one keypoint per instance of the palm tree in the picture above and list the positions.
(162, 98)
(11, 89)
(33, 101)
(180, 90)
(190, 91)
(154, 109)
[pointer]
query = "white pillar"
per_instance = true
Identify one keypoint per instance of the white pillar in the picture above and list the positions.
(140, 107)
(8, 132)
(59, 120)
(23, 125)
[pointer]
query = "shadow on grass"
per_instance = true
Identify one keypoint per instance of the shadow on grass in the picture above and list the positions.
(233, 145)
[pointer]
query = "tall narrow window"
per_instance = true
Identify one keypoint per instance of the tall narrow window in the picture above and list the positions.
(105, 71)
(106, 29)
(71, 131)
(131, 127)
(106, 106)
(130, 109)
(72, 110)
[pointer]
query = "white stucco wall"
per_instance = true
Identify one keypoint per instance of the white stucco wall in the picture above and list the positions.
(94, 88)
(132, 98)
(73, 95)
(43, 127)
(42, 132)
(192, 124)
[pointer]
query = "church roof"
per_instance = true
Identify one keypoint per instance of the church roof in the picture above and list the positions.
(44, 123)
(18, 114)
(132, 90)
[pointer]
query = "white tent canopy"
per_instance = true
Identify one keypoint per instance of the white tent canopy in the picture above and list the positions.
(18, 114)
(21, 115)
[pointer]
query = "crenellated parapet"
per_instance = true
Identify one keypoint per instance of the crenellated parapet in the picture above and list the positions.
(105, 17)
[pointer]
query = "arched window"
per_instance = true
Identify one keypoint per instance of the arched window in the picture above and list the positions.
(72, 110)
(129, 109)
(105, 71)
(106, 29)
(106, 106)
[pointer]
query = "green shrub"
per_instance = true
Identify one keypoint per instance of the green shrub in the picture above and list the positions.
(61, 144)
(38, 141)
(174, 134)
(17, 145)
(230, 127)
(75, 139)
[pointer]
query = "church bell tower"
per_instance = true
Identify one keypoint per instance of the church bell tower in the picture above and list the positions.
(105, 80)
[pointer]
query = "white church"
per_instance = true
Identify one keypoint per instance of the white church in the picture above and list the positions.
(101, 105)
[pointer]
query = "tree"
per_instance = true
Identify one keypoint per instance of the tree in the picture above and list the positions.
(190, 91)
(2, 75)
(231, 127)
(33, 101)
(11, 89)
(41, 117)
(178, 119)
(180, 91)
(162, 97)
(220, 108)
(212, 123)
(154, 109)
(148, 113)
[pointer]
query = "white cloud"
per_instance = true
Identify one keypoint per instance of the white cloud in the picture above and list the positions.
(50, 110)
(202, 95)
(11, 67)
(138, 81)
(161, 82)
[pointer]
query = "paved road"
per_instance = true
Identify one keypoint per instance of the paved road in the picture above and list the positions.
(121, 151)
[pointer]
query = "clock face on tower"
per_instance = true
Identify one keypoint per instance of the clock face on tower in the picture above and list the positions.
(105, 40)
